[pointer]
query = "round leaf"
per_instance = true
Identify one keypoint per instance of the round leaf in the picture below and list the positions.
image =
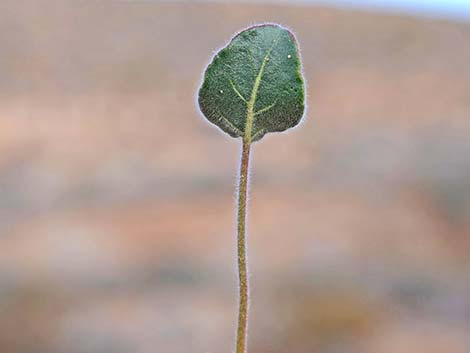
(254, 85)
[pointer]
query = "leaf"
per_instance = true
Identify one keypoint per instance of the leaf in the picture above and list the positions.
(254, 85)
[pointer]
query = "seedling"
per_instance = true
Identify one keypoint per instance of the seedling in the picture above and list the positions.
(253, 86)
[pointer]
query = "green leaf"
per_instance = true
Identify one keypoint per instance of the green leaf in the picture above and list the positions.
(254, 85)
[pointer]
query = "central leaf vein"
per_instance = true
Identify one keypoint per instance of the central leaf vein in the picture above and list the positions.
(254, 93)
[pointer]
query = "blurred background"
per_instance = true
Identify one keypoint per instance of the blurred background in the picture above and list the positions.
(117, 221)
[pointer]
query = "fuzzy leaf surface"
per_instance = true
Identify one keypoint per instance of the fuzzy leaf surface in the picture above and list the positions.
(254, 85)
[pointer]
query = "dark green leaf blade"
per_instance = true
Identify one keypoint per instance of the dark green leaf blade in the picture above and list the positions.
(254, 85)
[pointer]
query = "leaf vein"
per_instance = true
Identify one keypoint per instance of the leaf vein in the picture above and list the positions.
(230, 125)
(265, 109)
(257, 133)
(237, 91)
(258, 79)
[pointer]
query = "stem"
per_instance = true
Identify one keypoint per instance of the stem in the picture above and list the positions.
(241, 246)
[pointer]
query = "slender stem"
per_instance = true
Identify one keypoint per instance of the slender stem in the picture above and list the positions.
(241, 245)
(242, 201)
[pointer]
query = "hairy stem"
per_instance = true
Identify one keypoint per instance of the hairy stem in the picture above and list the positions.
(241, 246)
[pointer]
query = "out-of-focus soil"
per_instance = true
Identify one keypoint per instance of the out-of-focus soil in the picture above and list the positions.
(117, 198)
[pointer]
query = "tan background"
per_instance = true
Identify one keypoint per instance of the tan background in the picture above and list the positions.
(117, 198)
